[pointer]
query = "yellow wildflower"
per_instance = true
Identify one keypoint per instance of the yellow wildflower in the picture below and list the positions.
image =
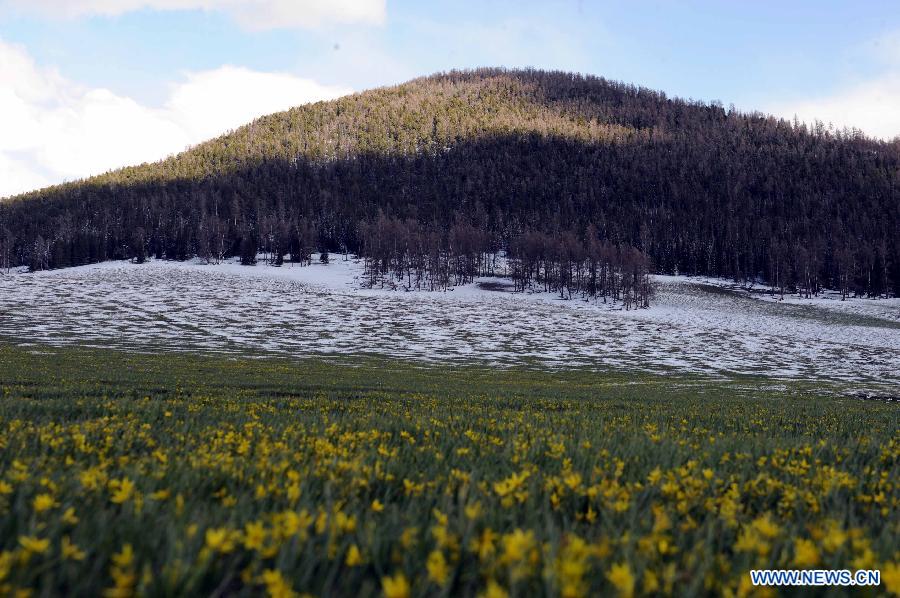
(6, 561)
(295, 523)
(354, 557)
(573, 481)
(44, 502)
(483, 545)
(124, 558)
(124, 581)
(805, 553)
(651, 582)
(494, 590)
(765, 526)
(321, 522)
(122, 490)
(69, 516)
(519, 551)
(621, 577)
(34, 545)
(276, 585)
(749, 540)
(396, 586)
(344, 523)
(437, 567)
(219, 540)
(834, 536)
(511, 488)
(517, 545)
(70, 550)
(411, 488)
(254, 536)
(571, 566)
(890, 577)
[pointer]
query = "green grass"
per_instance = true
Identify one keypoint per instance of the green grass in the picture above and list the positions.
(235, 476)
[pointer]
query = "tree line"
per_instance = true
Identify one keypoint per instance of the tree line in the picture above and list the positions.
(405, 253)
(485, 163)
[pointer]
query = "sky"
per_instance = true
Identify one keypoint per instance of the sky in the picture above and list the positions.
(91, 85)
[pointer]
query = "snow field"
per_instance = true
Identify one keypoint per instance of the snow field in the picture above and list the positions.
(695, 325)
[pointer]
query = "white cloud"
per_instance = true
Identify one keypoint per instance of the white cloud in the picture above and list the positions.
(872, 107)
(212, 101)
(253, 14)
(869, 105)
(55, 130)
(16, 175)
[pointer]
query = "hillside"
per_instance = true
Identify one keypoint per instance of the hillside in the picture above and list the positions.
(587, 185)
(698, 326)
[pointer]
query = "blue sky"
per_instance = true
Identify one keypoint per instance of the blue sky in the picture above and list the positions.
(185, 70)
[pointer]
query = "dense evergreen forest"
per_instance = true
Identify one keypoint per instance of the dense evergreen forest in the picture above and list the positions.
(584, 184)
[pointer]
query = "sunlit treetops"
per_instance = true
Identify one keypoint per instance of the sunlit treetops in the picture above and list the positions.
(695, 187)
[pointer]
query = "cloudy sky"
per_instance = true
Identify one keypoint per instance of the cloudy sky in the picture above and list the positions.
(90, 85)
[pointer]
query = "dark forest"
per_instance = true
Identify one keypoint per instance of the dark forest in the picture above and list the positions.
(585, 184)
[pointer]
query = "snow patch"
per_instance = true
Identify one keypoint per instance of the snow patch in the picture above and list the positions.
(696, 325)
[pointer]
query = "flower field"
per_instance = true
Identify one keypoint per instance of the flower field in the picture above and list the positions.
(161, 475)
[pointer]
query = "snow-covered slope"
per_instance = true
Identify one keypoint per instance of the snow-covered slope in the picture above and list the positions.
(693, 324)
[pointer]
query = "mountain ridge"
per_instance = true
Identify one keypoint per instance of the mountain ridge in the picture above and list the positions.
(402, 90)
(677, 180)
(549, 122)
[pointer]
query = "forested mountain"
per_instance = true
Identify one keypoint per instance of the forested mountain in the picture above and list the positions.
(586, 184)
